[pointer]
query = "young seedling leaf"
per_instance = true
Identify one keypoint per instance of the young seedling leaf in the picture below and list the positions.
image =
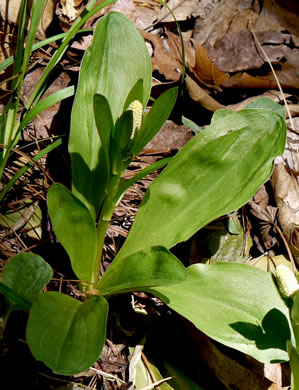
(193, 126)
(26, 274)
(120, 140)
(104, 123)
(143, 269)
(217, 172)
(66, 334)
(75, 229)
(235, 304)
(112, 65)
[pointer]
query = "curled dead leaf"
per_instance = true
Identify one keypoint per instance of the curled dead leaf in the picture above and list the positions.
(201, 96)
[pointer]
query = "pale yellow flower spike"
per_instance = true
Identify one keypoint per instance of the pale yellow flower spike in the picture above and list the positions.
(137, 109)
(287, 282)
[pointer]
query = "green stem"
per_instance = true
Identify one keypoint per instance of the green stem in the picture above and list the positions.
(104, 220)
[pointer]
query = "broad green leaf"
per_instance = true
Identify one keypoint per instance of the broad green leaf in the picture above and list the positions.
(215, 173)
(136, 93)
(27, 274)
(267, 104)
(112, 65)
(143, 269)
(75, 229)
(154, 120)
(66, 334)
(235, 304)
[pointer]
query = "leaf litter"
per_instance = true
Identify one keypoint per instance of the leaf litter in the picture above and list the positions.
(225, 68)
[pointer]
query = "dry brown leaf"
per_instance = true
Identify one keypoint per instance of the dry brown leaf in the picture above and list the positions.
(70, 9)
(167, 54)
(273, 95)
(286, 192)
(165, 59)
(170, 137)
(265, 216)
(216, 23)
(233, 49)
(201, 96)
(146, 13)
(244, 80)
(182, 9)
(284, 12)
(238, 51)
(229, 371)
(207, 72)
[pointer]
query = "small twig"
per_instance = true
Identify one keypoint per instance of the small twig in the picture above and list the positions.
(274, 74)
(152, 375)
(156, 384)
(109, 377)
(286, 245)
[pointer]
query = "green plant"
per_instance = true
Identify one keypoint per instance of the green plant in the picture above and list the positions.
(12, 122)
(215, 173)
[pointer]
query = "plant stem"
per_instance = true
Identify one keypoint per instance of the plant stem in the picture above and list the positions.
(104, 220)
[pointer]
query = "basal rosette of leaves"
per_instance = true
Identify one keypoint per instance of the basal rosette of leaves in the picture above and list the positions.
(215, 173)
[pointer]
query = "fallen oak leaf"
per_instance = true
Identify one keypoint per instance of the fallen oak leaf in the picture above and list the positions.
(205, 70)
(167, 54)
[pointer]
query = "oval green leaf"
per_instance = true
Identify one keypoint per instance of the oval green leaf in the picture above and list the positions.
(155, 267)
(26, 274)
(116, 60)
(235, 304)
(217, 172)
(66, 334)
(75, 229)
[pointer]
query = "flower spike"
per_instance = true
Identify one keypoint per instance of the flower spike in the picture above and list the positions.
(137, 109)
(286, 280)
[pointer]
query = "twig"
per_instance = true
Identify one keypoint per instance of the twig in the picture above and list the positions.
(274, 74)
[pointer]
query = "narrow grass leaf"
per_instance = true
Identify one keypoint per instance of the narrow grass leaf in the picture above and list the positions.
(44, 104)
